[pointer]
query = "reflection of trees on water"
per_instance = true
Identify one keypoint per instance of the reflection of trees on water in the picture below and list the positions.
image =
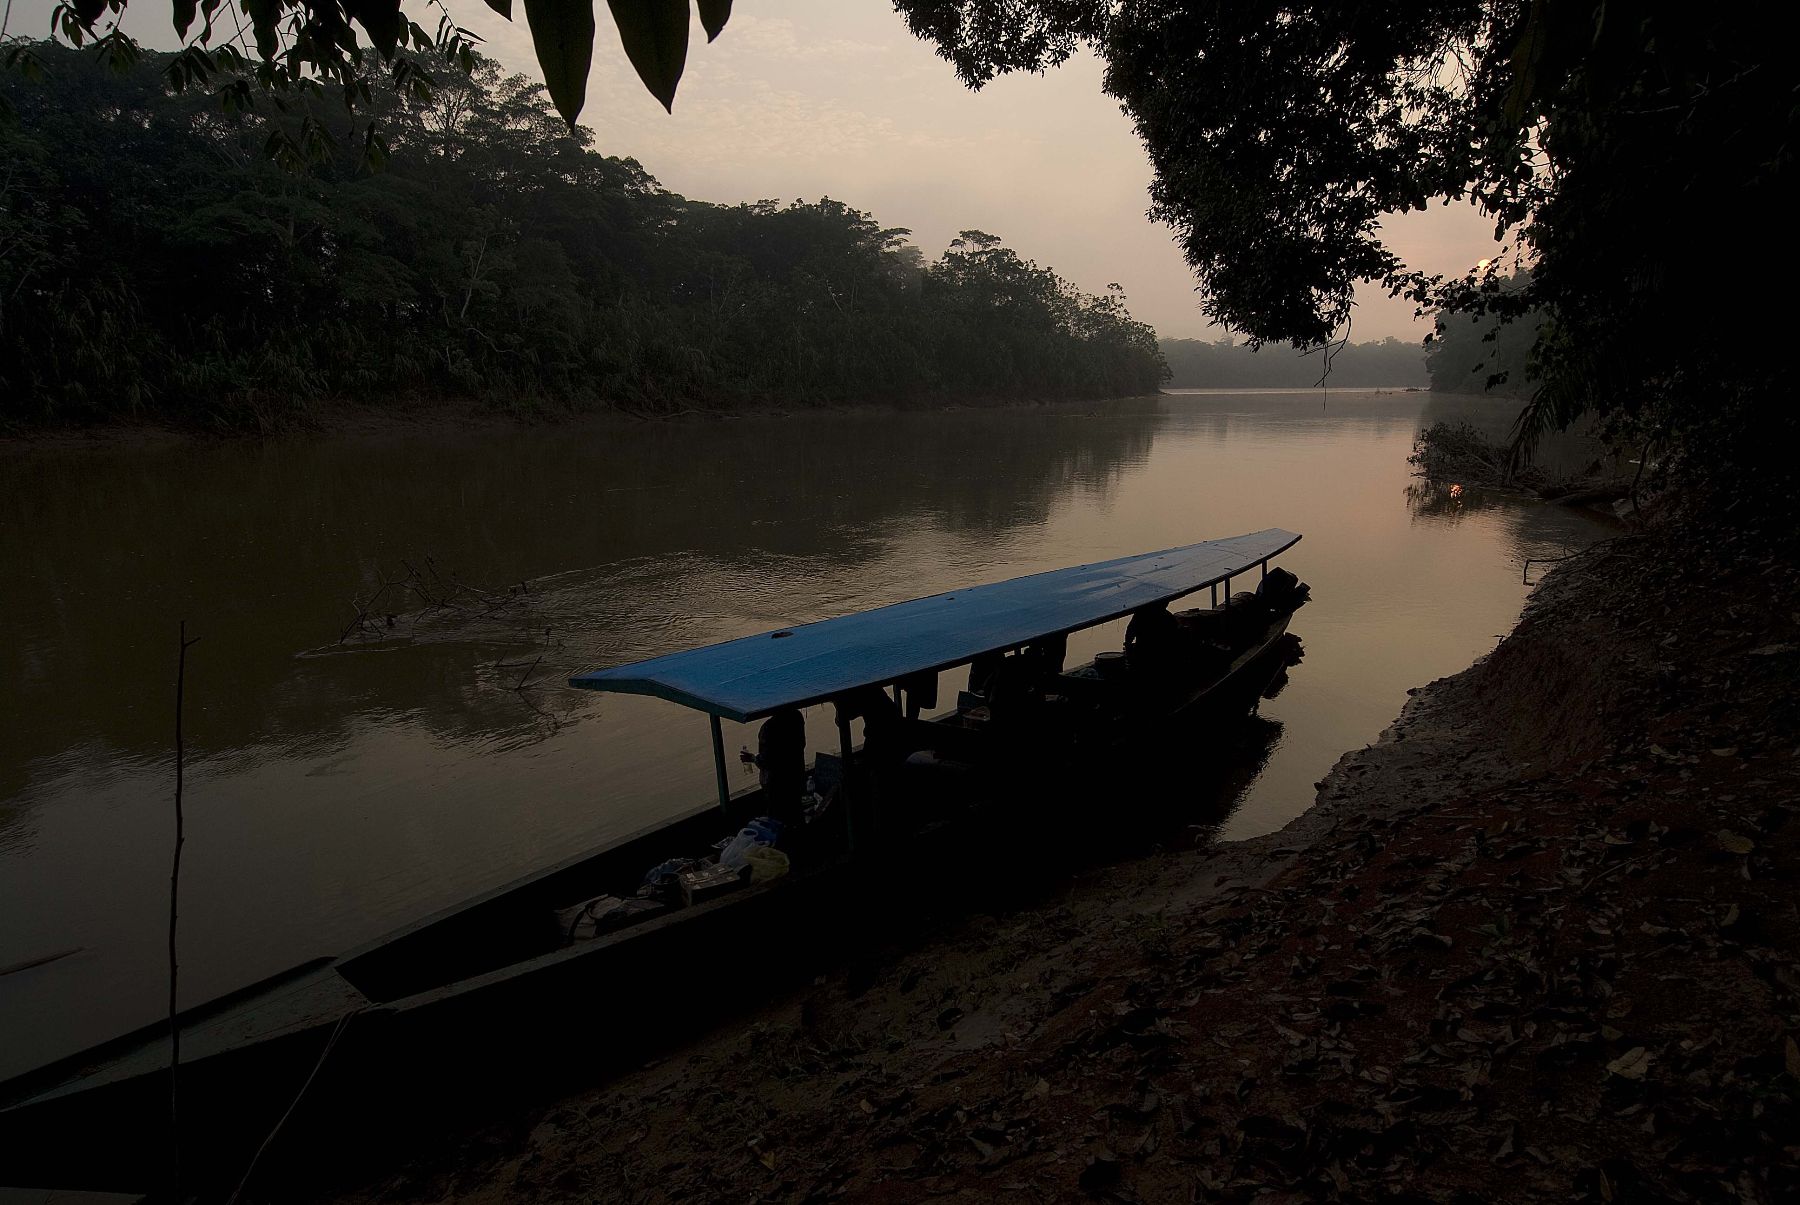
(1531, 528)
(1451, 502)
(1571, 453)
(263, 548)
(1492, 416)
(1543, 529)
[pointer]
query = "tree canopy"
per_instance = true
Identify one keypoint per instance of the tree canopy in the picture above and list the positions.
(153, 261)
(1639, 158)
(1485, 353)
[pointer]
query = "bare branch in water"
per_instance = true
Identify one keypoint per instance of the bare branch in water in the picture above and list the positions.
(184, 644)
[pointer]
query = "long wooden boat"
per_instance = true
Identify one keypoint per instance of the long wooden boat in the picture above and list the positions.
(492, 995)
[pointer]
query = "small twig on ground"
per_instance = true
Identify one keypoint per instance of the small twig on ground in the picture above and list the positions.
(1597, 879)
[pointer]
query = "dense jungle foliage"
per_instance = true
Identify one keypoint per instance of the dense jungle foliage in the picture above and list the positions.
(1639, 158)
(1475, 353)
(1225, 364)
(156, 261)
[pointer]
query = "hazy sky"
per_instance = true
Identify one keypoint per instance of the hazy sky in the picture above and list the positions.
(810, 98)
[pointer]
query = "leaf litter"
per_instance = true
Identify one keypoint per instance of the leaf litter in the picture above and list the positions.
(1532, 946)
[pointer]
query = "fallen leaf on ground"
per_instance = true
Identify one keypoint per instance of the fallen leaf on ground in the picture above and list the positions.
(1632, 1064)
(1734, 843)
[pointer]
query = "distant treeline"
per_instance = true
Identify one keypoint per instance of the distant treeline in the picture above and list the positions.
(1465, 355)
(154, 260)
(1197, 364)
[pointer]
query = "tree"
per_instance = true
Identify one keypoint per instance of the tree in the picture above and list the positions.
(497, 257)
(1639, 158)
(1473, 352)
(1390, 363)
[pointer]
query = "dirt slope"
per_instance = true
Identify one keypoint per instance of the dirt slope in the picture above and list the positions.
(1538, 944)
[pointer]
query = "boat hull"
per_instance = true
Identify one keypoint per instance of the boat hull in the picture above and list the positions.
(445, 1017)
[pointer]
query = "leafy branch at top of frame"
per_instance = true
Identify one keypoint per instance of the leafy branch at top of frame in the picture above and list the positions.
(302, 45)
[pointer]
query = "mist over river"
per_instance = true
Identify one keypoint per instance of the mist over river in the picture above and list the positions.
(347, 776)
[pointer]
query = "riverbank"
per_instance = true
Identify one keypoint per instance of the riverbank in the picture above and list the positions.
(350, 420)
(1541, 934)
(1453, 456)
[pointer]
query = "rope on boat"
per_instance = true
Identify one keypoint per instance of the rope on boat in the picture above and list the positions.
(14, 968)
(343, 1024)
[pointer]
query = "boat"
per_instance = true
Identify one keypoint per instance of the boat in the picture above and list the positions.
(506, 990)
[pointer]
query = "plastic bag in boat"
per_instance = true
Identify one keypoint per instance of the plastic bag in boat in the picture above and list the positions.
(766, 863)
(662, 881)
(763, 830)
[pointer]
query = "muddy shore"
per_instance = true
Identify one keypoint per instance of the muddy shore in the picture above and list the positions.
(1539, 942)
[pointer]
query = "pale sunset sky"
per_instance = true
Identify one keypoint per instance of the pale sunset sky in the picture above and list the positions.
(811, 98)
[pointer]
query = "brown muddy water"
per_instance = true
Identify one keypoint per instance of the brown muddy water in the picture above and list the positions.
(345, 778)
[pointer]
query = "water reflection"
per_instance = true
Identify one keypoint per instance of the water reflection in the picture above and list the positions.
(650, 535)
(340, 787)
(1450, 502)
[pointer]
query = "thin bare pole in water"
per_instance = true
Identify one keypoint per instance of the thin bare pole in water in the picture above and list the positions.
(174, 897)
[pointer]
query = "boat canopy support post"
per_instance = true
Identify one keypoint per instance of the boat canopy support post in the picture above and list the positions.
(849, 794)
(718, 743)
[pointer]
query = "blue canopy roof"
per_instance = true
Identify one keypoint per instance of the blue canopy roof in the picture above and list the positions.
(755, 675)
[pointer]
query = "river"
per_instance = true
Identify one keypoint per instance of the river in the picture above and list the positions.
(346, 774)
